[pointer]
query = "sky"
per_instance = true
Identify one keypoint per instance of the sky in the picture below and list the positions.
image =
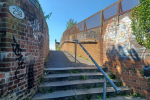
(63, 10)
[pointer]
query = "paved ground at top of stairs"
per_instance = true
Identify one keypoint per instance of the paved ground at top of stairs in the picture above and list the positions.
(65, 59)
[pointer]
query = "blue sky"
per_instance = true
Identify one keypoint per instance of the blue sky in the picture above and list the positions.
(63, 10)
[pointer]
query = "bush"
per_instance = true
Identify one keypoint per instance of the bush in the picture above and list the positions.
(58, 48)
(141, 23)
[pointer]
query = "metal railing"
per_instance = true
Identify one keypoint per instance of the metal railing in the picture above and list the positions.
(106, 78)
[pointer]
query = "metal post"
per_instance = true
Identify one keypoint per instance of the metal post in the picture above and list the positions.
(75, 52)
(104, 89)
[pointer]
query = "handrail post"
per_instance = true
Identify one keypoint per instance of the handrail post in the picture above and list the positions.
(106, 78)
(104, 89)
(75, 52)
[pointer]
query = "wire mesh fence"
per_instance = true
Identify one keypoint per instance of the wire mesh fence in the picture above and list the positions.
(91, 28)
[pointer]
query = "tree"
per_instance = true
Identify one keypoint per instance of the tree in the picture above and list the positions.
(70, 23)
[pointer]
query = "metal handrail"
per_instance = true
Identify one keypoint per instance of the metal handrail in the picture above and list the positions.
(106, 78)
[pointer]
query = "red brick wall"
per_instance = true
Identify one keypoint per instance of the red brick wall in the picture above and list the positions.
(115, 46)
(92, 48)
(32, 39)
(124, 56)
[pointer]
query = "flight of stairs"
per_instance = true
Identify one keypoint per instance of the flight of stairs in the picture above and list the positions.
(75, 83)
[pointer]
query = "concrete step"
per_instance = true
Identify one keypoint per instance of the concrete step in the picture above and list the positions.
(72, 70)
(76, 84)
(123, 98)
(78, 94)
(72, 76)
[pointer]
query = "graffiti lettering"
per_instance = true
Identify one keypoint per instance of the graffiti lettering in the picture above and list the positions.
(118, 36)
(17, 51)
(37, 33)
(119, 42)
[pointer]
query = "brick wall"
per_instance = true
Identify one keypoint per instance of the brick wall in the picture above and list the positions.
(24, 45)
(115, 46)
(124, 56)
(92, 48)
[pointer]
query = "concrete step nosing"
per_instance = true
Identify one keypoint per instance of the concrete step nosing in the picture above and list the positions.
(76, 92)
(76, 82)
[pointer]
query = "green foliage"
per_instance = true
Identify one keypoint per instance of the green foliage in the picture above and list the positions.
(92, 62)
(27, 98)
(141, 23)
(70, 23)
(133, 69)
(72, 98)
(79, 55)
(75, 71)
(51, 90)
(46, 59)
(99, 97)
(48, 16)
(58, 48)
(87, 87)
(142, 72)
(41, 79)
(112, 76)
(83, 77)
(101, 78)
(86, 59)
(149, 79)
(118, 84)
(137, 95)
(89, 97)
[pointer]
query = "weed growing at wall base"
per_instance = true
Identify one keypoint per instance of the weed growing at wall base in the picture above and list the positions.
(112, 76)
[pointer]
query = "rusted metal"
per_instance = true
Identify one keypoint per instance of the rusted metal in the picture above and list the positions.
(125, 11)
(76, 30)
(92, 28)
(110, 18)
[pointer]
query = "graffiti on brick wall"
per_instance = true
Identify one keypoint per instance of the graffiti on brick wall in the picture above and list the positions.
(37, 32)
(92, 35)
(80, 36)
(118, 37)
(120, 42)
(35, 21)
(21, 64)
(31, 61)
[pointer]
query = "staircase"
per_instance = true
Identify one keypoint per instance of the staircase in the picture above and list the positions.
(77, 83)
